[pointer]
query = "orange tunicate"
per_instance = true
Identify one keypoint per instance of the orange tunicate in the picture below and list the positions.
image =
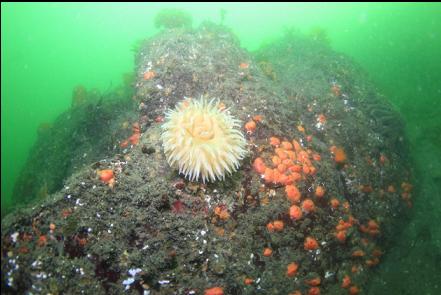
(276, 161)
(372, 262)
(354, 269)
(372, 228)
(391, 189)
(303, 157)
(288, 162)
(295, 212)
(314, 291)
(248, 281)
(339, 155)
(274, 141)
(285, 179)
(295, 168)
(291, 269)
(316, 157)
(52, 226)
(291, 155)
(314, 282)
(42, 241)
(259, 165)
(301, 128)
(364, 241)
(218, 210)
(319, 191)
(341, 236)
(105, 175)
(286, 145)
(81, 241)
(342, 225)
(276, 176)
(224, 215)
(136, 128)
(270, 227)
(335, 203)
(244, 65)
(281, 153)
(292, 193)
(124, 144)
(149, 75)
(134, 139)
(310, 243)
(354, 290)
(373, 225)
(278, 225)
(346, 282)
(269, 175)
(308, 206)
(281, 168)
(23, 250)
(366, 188)
(250, 126)
(267, 252)
(407, 187)
(358, 253)
(296, 176)
(297, 146)
(377, 253)
(258, 118)
(321, 119)
(336, 89)
(214, 291)
(306, 169)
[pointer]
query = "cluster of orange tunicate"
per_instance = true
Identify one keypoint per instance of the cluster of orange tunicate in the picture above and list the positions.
(342, 227)
(251, 125)
(134, 138)
(107, 176)
(149, 75)
(339, 154)
(222, 213)
(346, 284)
(371, 228)
(267, 252)
(214, 291)
(276, 225)
(291, 269)
(370, 254)
(310, 243)
(406, 194)
(290, 164)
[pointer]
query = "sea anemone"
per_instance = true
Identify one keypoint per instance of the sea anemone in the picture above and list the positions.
(203, 140)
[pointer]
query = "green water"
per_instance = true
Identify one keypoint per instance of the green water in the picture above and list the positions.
(48, 49)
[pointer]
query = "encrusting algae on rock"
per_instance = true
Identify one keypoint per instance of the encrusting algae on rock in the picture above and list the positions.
(293, 220)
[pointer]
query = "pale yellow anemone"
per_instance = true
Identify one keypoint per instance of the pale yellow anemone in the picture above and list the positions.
(202, 140)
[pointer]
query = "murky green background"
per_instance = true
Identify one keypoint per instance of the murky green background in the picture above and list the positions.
(47, 49)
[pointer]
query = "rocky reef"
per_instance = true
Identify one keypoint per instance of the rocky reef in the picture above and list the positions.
(311, 210)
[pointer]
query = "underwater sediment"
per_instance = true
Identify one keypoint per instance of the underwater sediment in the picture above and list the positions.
(309, 210)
